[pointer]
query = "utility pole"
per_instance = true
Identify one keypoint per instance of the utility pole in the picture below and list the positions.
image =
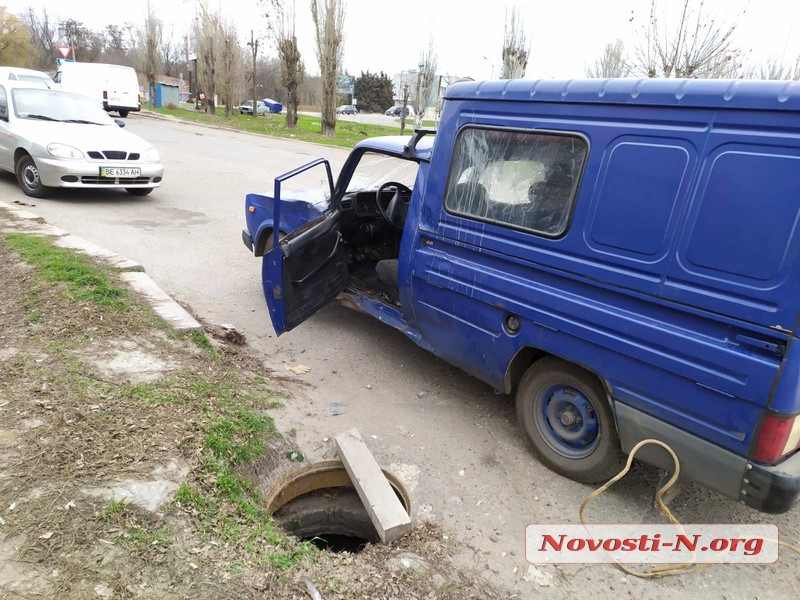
(253, 43)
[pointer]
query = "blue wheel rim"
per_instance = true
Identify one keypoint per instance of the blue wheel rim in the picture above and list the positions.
(567, 421)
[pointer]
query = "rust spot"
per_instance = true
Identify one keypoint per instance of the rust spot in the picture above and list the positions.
(276, 292)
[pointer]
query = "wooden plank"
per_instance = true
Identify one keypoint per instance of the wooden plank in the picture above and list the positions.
(383, 506)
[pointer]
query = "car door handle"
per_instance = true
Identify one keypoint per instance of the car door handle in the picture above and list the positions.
(320, 266)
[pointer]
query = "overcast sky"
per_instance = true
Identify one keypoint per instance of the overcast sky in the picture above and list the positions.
(565, 35)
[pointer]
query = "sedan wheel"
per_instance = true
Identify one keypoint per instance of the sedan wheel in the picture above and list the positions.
(28, 178)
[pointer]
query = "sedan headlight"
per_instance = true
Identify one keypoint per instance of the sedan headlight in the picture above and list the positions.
(64, 151)
(150, 155)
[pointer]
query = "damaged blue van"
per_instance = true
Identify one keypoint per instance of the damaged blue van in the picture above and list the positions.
(622, 255)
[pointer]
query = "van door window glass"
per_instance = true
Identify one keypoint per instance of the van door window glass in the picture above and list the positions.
(525, 180)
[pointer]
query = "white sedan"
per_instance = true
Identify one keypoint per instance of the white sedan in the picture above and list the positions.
(50, 138)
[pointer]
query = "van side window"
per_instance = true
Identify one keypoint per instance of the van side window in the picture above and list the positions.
(525, 180)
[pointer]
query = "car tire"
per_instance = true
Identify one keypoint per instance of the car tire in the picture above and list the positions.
(123, 114)
(139, 191)
(563, 412)
(28, 177)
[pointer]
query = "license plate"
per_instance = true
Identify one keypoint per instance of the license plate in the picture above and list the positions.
(119, 172)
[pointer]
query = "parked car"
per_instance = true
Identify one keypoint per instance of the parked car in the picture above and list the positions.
(273, 105)
(346, 109)
(247, 108)
(26, 75)
(535, 246)
(50, 138)
(396, 111)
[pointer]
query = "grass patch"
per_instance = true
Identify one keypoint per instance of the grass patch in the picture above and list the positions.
(200, 339)
(348, 133)
(84, 281)
(116, 507)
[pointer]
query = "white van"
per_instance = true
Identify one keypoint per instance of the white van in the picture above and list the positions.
(114, 87)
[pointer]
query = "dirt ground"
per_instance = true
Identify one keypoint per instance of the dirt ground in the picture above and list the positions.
(124, 450)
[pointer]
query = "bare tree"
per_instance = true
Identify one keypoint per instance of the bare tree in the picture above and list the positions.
(209, 36)
(328, 18)
(171, 50)
(282, 26)
(611, 64)
(773, 69)
(515, 47)
(87, 45)
(151, 41)
(118, 46)
(232, 67)
(254, 43)
(43, 36)
(697, 46)
(408, 80)
(428, 64)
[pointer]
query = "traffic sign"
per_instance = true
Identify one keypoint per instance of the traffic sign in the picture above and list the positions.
(64, 50)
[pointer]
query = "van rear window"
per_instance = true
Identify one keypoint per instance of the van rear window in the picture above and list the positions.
(525, 180)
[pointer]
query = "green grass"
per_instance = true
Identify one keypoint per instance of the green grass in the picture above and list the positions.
(116, 507)
(140, 536)
(84, 281)
(348, 133)
(201, 340)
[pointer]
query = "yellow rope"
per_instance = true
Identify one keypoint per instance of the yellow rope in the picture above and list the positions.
(665, 570)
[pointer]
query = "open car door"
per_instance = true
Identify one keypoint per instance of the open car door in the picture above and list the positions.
(306, 269)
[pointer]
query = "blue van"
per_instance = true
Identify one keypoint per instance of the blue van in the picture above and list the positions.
(622, 255)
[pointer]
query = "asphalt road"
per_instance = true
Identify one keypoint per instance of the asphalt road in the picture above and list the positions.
(447, 434)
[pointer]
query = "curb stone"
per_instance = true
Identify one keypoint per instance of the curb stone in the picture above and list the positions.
(132, 272)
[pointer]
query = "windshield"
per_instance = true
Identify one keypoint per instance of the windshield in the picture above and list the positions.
(373, 170)
(51, 105)
(35, 79)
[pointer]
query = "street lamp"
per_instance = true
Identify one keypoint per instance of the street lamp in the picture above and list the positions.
(491, 64)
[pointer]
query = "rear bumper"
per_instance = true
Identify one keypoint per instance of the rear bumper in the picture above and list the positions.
(773, 488)
(247, 239)
(770, 489)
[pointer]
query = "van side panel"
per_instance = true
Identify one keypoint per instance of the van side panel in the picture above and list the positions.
(637, 290)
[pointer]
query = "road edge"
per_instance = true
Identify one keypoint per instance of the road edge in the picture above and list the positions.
(131, 272)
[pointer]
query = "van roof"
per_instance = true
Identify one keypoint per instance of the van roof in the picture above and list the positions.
(700, 93)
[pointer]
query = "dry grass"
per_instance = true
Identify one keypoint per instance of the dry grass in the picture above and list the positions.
(67, 429)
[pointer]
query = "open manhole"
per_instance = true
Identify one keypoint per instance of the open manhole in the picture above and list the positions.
(318, 503)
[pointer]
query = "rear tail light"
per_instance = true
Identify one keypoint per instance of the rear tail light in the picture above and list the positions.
(778, 437)
(105, 95)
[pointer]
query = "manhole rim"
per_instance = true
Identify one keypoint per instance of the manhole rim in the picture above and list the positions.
(323, 474)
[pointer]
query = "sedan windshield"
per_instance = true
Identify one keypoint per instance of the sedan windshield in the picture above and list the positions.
(51, 105)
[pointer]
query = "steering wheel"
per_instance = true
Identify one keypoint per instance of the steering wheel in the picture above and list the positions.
(397, 209)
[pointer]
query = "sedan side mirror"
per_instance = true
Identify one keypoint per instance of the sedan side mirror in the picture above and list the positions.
(119, 122)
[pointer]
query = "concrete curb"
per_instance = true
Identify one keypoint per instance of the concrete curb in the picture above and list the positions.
(132, 272)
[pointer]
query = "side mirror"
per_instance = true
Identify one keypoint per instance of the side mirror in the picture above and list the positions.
(119, 122)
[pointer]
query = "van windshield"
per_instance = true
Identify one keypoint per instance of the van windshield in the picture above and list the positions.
(374, 169)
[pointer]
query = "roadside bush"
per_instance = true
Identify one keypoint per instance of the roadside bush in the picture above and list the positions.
(171, 106)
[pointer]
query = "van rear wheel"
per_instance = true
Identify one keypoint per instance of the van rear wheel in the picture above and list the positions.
(123, 114)
(564, 413)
